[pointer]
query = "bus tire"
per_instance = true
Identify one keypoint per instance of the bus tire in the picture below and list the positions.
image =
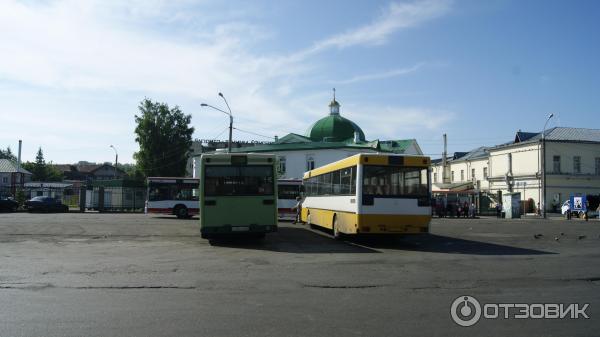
(335, 228)
(181, 212)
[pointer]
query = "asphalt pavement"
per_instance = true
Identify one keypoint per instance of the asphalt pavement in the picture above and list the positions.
(90, 274)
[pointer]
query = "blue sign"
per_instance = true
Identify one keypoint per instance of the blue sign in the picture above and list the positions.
(578, 203)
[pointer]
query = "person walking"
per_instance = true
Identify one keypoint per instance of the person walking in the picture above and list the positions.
(298, 209)
(472, 210)
(498, 210)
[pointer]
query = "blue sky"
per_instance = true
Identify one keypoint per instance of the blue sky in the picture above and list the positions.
(73, 72)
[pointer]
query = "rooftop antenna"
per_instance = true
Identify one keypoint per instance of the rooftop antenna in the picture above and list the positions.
(334, 94)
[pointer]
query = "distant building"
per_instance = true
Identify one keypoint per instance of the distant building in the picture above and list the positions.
(329, 139)
(90, 172)
(11, 177)
(572, 165)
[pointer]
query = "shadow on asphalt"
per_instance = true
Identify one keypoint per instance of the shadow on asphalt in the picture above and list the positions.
(292, 240)
(442, 244)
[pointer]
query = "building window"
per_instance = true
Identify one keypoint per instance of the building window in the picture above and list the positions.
(452, 176)
(577, 164)
(5, 180)
(310, 163)
(556, 164)
(281, 166)
(485, 173)
(598, 166)
(435, 177)
(472, 174)
(462, 175)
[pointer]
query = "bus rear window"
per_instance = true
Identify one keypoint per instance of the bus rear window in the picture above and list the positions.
(238, 180)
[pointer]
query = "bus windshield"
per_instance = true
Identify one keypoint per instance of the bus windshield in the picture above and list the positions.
(394, 181)
(238, 180)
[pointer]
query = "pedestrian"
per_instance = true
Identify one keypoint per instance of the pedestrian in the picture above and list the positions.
(472, 210)
(498, 210)
(568, 211)
(466, 209)
(298, 209)
(598, 211)
(585, 215)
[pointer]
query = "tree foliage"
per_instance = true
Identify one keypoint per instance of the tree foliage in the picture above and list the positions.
(165, 139)
(7, 154)
(41, 171)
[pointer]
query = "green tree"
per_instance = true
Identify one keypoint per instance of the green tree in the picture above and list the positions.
(165, 139)
(7, 154)
(40, 171)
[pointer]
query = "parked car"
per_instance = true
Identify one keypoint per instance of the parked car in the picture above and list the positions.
(45, 204)
(8, 204)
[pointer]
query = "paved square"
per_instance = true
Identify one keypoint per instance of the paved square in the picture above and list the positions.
(136, 275)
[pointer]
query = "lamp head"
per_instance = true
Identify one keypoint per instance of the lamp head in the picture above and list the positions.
(550, 116)
(203, 104)
(220, 94)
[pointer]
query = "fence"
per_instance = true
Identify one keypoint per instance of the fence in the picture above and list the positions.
(109, 196)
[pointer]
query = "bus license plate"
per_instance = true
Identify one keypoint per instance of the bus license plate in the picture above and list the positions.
(240, 229)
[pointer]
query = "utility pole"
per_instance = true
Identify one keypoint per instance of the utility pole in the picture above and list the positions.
(116, 160)
(544, 165)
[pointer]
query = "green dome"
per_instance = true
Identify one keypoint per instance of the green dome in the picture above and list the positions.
(334, 128)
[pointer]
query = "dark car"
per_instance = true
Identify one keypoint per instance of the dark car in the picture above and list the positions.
(45, 204)
(8, 204)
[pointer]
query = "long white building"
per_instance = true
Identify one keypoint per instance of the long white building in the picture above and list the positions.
(572, 165)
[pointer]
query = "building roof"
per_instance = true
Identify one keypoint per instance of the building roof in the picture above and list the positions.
(9, 166)
(392, 146)
(556, 134)
(83, 168)
(475, 154)
(570, 134)
(334, 128)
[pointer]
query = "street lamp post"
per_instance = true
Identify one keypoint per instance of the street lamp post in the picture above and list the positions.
(544, 165)
(116, 160)
(230, 118)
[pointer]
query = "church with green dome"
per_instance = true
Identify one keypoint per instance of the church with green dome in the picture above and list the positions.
(329, 139)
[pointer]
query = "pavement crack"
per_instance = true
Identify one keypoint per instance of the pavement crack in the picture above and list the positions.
(325, 286)
(40, 286)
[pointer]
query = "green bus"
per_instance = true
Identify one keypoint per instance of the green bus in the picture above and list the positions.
(238, 195)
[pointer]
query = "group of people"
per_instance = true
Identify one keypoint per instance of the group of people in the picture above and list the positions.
(456, 210)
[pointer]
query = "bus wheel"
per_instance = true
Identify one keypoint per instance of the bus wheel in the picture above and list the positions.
(336, 232)
(181, 212)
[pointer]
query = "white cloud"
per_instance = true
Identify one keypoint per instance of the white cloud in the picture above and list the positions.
(166, 50)
(400, 122)
(381, 75)
(396, 17)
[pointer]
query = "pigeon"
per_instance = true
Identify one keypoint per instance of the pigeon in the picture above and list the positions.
(562, 234)
(537, 236)
(581, 237)
(556, 238)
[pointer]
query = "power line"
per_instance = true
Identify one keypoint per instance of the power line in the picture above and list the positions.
(253, 133)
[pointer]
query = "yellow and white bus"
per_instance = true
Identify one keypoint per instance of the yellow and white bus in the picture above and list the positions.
(370, 193)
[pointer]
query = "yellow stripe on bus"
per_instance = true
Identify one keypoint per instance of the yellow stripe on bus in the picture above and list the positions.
(352, 223)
